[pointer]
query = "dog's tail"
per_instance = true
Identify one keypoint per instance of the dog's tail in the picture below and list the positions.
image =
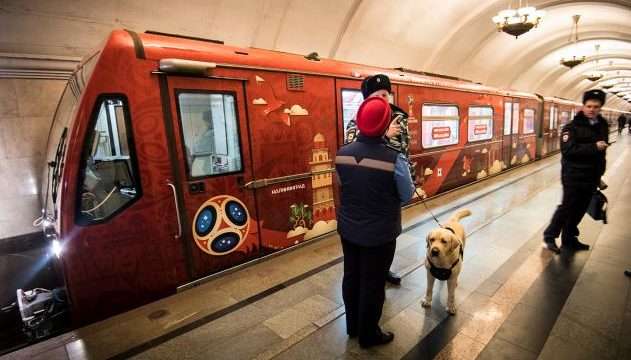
(460, 214)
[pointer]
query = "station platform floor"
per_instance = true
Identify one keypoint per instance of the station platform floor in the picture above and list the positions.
(515, 299)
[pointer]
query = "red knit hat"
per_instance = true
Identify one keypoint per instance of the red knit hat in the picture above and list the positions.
(373, 116)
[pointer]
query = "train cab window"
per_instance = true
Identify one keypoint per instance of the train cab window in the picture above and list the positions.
(351, 99)
(211, 133)
(529, 121)
(480, 126)
(109, 177)
(439, 125)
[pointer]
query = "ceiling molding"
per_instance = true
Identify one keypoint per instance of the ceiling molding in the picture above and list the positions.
(443, 48)
(350, 15)
(520, 63)
(561, 82)
(575, 82)
(29, 66)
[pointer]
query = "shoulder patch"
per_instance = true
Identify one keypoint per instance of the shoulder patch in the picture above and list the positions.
(565, 136)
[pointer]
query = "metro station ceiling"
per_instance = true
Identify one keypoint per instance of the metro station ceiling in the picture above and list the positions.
(452, 37)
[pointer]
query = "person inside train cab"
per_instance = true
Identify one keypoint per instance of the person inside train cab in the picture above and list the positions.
(584, 142)
(203, 147)
(397, 134)
(374, 182)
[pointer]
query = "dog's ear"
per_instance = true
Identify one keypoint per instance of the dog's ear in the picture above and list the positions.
(427, 240)
(454, 243)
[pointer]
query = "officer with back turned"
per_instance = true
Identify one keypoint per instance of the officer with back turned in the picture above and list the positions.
(374, 181)
(397, 135)
(584, 142)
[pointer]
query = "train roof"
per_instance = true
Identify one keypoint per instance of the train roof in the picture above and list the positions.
(157, 46)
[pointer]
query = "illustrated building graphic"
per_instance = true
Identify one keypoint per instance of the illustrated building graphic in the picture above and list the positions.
(322, 184)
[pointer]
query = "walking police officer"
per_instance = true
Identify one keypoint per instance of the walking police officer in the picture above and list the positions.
(397, 134)
(374, 181)
(584, 143)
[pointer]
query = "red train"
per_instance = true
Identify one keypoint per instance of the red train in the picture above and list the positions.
(173, 158)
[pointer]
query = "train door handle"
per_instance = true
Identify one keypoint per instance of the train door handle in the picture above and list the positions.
(177, 209)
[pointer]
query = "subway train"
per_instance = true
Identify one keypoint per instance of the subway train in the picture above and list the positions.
(172, 158)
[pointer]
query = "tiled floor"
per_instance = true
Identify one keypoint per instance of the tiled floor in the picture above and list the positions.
(516, 301)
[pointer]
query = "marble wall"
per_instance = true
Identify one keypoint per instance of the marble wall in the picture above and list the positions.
(26, 110)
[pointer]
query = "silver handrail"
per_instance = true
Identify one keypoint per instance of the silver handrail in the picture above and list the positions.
(256, 184)
(177, 209)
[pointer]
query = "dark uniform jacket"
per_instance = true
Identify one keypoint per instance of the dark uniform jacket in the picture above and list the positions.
(370, 209)
(582, 163)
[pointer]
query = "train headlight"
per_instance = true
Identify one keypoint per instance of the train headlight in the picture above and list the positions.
(51, 235)
(56, 248)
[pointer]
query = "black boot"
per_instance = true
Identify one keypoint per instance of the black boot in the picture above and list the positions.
(549, 244)
(393, 278)
(574, 245)
(627, 272)
(381, 339)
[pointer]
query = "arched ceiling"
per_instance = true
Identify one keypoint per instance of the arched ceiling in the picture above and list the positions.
(455, 37)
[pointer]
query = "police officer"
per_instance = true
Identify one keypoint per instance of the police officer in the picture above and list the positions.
(622, 120)
(397, 135)
(374, 181)
(583, 146)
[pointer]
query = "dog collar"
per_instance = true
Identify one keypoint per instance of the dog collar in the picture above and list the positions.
(450, 229)
(441, 273)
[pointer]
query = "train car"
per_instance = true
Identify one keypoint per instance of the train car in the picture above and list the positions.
(171, 158)
(556, 113)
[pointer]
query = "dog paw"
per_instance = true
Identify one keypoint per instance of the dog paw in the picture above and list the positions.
(426, 303)
(451, 309)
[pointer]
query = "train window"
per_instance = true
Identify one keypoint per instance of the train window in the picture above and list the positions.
(351, 99)
(211, 133)
(439, 125)
(508, 110)
(480, 123)
(108, 176)
(529, 121)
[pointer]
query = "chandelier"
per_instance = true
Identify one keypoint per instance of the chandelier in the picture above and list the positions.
(575, 60)
(595, 76)
(518, 21)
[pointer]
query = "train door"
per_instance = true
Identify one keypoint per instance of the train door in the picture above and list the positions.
(210, 135)
(294, 141)
(511, 131)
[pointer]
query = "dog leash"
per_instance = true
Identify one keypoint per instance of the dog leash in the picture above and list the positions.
(427, 207)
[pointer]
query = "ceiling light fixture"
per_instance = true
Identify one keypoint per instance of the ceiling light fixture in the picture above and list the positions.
(518, 21)
(575, 60)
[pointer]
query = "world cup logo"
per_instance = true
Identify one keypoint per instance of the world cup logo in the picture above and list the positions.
(221, 225)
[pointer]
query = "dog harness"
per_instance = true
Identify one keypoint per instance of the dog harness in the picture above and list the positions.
(444, 273)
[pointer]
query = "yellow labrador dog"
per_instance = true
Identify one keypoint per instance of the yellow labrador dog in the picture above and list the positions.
(445, 249)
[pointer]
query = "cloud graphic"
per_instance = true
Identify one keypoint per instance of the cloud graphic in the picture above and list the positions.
(259, 79)
(525, 158)
(428, 172)
(296, 110)
(496, 167)
(259, 101)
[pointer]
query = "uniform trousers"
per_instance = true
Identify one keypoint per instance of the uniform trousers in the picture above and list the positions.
(568, 215)
(365, 270)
